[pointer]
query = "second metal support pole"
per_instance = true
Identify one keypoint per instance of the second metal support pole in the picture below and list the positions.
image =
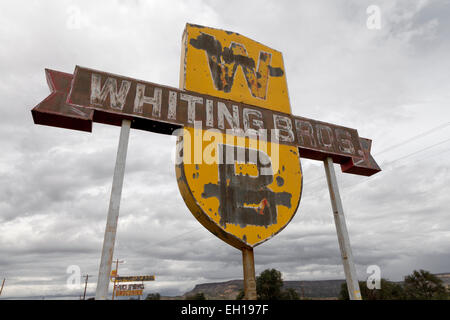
(342, 233)
(113, 214)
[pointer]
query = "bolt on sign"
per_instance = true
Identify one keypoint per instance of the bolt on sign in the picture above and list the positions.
(239, 147)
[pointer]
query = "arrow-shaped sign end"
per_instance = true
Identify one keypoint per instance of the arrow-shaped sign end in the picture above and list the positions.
(366, 166)
(54, 111)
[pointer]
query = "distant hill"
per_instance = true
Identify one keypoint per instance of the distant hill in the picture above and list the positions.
(316, 289)
(228, 290)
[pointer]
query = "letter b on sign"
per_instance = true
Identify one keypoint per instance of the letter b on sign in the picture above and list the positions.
(245, 197)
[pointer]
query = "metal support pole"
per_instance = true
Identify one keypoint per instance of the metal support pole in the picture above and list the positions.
(113, 214)
(342, 233)
(85, 286)
(248, 263)
(3, 283)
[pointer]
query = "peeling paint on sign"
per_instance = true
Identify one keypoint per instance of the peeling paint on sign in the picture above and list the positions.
(242, 202)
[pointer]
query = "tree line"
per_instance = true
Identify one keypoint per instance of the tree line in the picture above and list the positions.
(419, 285)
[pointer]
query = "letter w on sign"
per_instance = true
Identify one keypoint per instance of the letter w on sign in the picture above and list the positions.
(223, 63)
(99, 94)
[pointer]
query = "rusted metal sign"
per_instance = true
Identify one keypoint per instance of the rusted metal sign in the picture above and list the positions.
(129, 290)
(94, 96)
(128, 293)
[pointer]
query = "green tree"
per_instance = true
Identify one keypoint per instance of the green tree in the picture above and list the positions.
(422, 285)
(153, 296)
(197, 296)
(388, 291)
(269, 284)
(290, 294)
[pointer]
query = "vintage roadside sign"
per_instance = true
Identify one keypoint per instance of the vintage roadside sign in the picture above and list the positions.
(129, 290)
(239, 146)
(229, 83)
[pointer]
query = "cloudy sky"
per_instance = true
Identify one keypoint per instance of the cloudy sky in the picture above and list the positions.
(391, 83)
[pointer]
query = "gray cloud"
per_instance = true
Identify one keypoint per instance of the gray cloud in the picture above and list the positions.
(391, 84)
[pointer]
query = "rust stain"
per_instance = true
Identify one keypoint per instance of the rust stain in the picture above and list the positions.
(263, 204)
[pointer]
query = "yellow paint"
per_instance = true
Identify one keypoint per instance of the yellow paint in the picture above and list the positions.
(249, 169)
(265, 91)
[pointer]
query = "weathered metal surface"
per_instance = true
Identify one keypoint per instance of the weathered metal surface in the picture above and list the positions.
(54, 111)
(366, 166)
(134, 278)
(164, 109)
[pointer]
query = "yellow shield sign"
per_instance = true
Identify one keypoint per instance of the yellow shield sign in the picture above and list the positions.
(242, 186)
